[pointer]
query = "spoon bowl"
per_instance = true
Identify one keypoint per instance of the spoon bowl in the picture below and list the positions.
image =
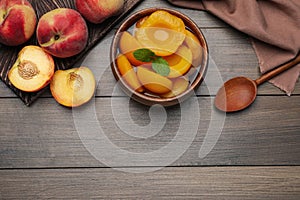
(236, 94)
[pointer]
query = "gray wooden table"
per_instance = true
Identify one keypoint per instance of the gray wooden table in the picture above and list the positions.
(47, 151)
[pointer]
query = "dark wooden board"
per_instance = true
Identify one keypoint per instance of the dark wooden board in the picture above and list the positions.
(8, 55)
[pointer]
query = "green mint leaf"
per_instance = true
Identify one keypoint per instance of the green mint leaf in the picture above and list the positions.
(144, 55)
(161, 66)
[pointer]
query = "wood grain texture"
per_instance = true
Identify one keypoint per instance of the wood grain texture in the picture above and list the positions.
(45, 134)
(257, 155)
(169, 183)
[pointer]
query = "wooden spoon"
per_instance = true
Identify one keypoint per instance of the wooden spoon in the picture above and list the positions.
(238, 93)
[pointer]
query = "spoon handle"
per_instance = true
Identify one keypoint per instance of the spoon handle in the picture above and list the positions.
(267, 76)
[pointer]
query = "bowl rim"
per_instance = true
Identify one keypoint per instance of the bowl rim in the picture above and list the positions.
(146, 99)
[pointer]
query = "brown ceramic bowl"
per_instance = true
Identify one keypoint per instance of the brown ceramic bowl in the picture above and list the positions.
(146, 98)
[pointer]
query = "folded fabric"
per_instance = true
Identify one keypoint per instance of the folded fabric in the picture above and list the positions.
(274, 26)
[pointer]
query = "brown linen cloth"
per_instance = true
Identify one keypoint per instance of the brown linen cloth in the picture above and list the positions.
(274, 26)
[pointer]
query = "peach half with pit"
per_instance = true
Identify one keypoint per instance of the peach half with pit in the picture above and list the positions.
(62, 32)
(32, 70)
(73, 87)
(17, 22)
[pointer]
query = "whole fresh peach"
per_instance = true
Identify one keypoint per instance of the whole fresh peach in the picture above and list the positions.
(96, 11)
(17, 22)
(62, 32)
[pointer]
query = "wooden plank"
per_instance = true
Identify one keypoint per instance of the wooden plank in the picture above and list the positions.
(45, 134)
(5, 91)
(231, 54)
(169, 183)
